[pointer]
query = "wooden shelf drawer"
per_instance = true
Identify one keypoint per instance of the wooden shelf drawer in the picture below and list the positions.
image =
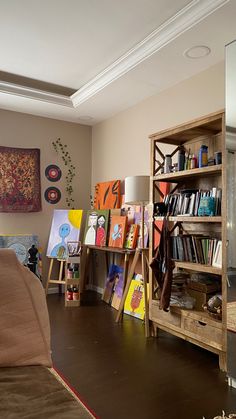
(201, 328)
(160, 316)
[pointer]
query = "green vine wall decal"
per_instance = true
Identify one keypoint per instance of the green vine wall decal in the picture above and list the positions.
(62, 151)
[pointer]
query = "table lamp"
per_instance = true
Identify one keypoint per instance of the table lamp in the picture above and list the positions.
(137, 193)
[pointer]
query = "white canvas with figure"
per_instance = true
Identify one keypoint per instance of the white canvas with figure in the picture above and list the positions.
(65, 228)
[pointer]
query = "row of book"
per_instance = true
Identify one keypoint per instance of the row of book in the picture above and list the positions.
(194, 202)
(196, 248)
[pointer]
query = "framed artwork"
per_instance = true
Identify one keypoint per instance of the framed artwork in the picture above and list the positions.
(73, 248)
(107, 195)
(113, 276)
(117, 231)
(131, 236)
(138, 220)
(65, 228)
(134, 303)
(118, 288)
(96, 227)
(217, 258)
(20, 189)
(20, 244)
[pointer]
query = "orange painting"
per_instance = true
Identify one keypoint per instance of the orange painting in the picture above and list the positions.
(107, 195)
(117, 231)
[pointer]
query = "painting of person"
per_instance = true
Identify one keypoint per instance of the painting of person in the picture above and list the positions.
(101, 232)
(59, 250)
(90, 236)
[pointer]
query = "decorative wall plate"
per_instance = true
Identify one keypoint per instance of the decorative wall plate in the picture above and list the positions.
(53, 173)
(52, 195)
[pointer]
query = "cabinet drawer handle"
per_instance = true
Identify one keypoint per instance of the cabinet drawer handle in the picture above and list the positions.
(202, 323)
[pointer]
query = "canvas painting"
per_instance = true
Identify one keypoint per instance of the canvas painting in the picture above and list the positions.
(20, 189)
(96, 227)
(134, 303)
(65, 227)
(118, 289)
(131, 236)
(107, 195)
(113, 275)
(138, 220)
(20, 244)
(117, 231)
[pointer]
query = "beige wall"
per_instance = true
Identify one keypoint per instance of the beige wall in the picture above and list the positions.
(120, 145)
(21, 130)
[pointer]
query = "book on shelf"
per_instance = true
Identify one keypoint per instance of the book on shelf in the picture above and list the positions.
(194, 202)
(196, 249)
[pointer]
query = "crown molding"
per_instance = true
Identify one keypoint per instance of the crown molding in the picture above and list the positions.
(27, 92)
(185, 19)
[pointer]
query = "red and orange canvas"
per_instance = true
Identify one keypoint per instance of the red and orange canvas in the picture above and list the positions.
(107, 195)
(131, 236)
(117, 231)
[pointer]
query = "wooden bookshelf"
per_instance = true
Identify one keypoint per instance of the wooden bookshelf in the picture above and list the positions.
(189, 219)
(197, 327)
(198, 267)
(185, 174)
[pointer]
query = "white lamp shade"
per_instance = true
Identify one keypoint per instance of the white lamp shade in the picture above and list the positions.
(137, 190)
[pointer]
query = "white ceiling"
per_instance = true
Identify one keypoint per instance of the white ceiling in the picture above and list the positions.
(112, 53)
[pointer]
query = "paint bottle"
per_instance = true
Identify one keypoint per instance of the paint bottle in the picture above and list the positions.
(203, 156)
(69, 293)
(193, 162)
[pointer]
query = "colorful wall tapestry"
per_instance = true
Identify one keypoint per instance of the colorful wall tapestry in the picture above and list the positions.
(96, 227)
(65, 227)
(20, 244)
(117, 231)
(107, 195)
(134, 303)
(20, 189)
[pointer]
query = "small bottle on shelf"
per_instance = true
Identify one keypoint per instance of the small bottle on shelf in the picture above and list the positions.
(203, 156)
(181, 158)
(75, 294)
(69, 293)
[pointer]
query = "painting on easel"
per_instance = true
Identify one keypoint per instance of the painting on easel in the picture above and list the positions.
(65, 228)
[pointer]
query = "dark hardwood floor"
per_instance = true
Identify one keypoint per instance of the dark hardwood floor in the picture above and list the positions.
(121, 374)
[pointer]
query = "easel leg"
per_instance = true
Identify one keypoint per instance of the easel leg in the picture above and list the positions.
(84, 268)
(144, 274)
(60, 274)
(49, 275)
(129, 279)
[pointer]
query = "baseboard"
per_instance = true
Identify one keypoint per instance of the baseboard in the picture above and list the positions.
(53, 290)
(232, 382)
(93, 287)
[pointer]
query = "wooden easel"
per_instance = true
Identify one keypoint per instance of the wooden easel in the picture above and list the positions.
(60, 280)
(144, 258)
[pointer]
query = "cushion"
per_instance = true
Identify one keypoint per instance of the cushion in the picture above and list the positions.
(24, 320)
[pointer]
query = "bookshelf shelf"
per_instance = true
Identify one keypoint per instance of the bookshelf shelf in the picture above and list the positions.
(198, 237)
(198, 267)
(189, 219)
(184, 174)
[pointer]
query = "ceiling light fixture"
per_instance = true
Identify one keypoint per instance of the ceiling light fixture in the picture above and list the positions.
(198, 51)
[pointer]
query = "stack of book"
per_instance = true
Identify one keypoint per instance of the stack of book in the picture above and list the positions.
(194, 248)
(189, 201)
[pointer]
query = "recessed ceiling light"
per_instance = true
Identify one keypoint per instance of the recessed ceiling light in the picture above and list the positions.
(86, 117)
(199, 51)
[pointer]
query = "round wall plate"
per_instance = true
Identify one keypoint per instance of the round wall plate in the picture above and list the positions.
(53, 173)
(52, 195)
